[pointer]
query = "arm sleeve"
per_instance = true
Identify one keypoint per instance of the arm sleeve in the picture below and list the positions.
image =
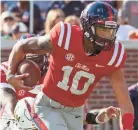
(91, 116)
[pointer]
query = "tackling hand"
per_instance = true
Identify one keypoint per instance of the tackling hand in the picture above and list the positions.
(16, 81)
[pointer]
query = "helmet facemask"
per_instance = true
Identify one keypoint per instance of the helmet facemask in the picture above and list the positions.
(100, 32)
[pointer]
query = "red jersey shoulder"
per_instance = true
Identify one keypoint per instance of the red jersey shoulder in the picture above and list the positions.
(112, 60)
(117, 55)
(116, 58)
(63, 34)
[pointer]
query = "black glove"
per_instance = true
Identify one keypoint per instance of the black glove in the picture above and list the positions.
(91, 116)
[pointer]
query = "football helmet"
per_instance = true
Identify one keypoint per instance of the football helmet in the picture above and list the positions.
(23, 115)
(99, 23)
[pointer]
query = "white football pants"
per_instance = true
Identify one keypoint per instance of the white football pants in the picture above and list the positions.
(51, 115)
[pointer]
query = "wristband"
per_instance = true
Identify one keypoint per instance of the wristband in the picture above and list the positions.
(127, 121)
(8, 76)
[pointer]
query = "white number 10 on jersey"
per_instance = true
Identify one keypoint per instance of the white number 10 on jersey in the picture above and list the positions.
(74, 88)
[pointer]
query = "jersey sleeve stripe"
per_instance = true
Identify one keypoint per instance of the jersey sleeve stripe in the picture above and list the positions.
(114, 54)
(121, 56)
(60, 40)
(68, 36)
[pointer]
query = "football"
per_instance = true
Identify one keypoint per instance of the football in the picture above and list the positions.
(28, 66)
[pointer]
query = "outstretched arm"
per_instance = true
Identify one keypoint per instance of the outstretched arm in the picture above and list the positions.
(123, 98)
(36, 45)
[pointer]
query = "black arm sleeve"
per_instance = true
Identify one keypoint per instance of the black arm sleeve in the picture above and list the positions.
(91, 116)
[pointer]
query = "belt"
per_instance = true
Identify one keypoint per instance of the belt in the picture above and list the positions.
(56, 104)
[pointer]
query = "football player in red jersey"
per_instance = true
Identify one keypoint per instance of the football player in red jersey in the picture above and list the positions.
(9, 94)
(80, 57)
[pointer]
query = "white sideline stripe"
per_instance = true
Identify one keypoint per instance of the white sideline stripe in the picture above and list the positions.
(114, 54)
(121, 56)
(68, 36)
(61, 34)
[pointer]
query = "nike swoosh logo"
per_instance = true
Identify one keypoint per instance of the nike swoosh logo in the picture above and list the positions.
(99, 65)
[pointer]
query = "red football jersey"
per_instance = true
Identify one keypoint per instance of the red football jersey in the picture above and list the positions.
(72, 74)
(21, 93)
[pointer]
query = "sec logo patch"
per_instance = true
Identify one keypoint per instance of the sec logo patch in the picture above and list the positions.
(70, 57)
(21, 92)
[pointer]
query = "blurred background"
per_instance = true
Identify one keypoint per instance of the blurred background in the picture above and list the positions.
(38, 17)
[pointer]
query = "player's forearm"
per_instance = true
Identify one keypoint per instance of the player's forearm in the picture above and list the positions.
(127, 108)
(127, 111)
(127, 116)
(123, 98)
(35, 45)
(17, 54)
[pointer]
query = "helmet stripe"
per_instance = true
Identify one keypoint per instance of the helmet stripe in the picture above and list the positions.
(110, 14)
